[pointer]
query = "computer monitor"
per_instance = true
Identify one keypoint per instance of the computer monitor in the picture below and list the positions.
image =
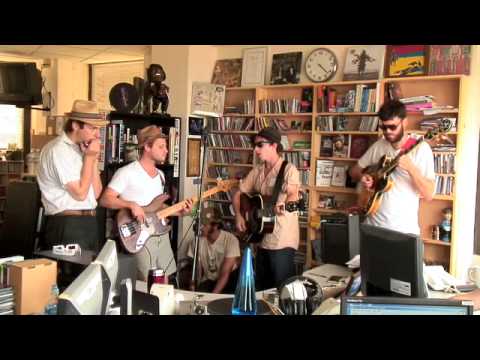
(365, 305)
(391, 263)
(108, 259)
(88, 294)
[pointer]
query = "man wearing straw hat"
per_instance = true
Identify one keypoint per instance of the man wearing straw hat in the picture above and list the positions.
(69, 179)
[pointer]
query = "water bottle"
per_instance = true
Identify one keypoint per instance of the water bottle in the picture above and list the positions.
(244, 301)
(51, 308)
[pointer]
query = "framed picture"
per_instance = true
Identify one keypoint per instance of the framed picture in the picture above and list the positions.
(449, 59)
(405, 60)
(227, 72)
(364, 63)
(207, 99)
(193, 157)
(195, 126)
(253, 67)
(286, 68)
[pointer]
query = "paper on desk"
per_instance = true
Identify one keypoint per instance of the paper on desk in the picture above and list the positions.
(354, 263)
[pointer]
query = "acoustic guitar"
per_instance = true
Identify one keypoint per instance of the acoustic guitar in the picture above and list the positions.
(260, 218)
(369, 200)
(134, 235)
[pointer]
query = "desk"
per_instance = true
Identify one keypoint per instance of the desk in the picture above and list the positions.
(84, 259)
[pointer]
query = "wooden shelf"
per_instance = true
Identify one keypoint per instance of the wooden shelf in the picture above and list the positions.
(352, 82)
(335, 189)
(229, 148)
(347, 132)
(423, 132)
(233, 132)
(233, 88)
(329, 211)
(447, 111)
(294, 132)
(333, 113)
(238, 115)
(336, 158)
(443, 197)
(284, 114)
(440, 174)
(435, 242)
(232, 165)
(297, 150)
(422, 78)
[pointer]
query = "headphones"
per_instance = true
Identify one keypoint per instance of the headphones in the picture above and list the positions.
(309, 292)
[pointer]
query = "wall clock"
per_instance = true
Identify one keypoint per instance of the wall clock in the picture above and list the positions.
(321, 65)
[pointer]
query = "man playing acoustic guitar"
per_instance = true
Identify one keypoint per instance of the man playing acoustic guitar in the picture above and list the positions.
(275, 255)
(136, 185)
(413, 178)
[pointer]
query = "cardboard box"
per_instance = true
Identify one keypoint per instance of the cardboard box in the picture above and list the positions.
(32, 281)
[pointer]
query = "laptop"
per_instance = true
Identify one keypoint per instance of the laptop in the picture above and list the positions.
(369, 305)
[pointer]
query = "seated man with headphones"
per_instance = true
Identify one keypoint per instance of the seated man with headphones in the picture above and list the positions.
(218, 258)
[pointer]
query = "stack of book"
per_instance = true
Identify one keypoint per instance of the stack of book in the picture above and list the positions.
(360, 99)
(418, 103)
(433, 123)
(7, 301)
(368, 123)
(229, 140)
(444, 185)
(232, 123)
(444, 163)
(249, 106)
(279, 106)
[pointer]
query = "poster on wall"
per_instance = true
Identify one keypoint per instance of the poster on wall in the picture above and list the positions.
(364, 62)
(406, 60)
(207, 99)
(227, 72)
(449, 59)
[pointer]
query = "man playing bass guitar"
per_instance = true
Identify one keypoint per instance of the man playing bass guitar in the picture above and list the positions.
(275, 255)
(413, 178)
(135, 185)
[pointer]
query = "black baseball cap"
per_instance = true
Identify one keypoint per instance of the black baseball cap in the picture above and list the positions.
(271, 134)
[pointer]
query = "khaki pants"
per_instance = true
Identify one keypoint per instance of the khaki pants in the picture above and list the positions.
(157, 252)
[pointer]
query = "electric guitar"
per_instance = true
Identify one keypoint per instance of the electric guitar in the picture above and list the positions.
(369, 200)
(259, 219)
(134, 235)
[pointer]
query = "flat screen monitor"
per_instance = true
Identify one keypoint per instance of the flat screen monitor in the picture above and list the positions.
(391, 263)
(108, 259)
(20, 84)
(365, 305)
(88, 294)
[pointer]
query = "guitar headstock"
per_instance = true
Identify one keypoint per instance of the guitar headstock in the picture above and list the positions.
(226, 185)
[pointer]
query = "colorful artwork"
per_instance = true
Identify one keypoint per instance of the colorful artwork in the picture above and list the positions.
(227, 72)
(449, 59)
(407, 60)
(364, 62)
(286, 68)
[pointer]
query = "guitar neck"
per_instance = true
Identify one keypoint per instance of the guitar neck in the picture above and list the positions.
(395, 161)
(179, 206)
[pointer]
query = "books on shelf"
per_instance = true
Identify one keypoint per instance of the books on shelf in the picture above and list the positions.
(280, 106)
(432, 123)
(324, 172)
(304, 176)
(444, 163)
(359, 144)
(360, 99)
(326, 146)
(444, 185)
(339, 175)
(341, 146)
(229, 140)
(229, 157)
(231, 123)
(300, 159)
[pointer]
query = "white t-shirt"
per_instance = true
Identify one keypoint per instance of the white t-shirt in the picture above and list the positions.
(133, 183)
(399, 206)
(61, 162)
(211, 256)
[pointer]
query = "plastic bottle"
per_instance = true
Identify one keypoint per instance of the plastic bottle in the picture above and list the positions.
(51, 308)
(244, 301)
(33, 159)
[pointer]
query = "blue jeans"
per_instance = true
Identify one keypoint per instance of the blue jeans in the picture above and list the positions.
(273, 267)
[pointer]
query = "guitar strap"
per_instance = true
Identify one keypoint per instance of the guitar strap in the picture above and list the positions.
(278, 185)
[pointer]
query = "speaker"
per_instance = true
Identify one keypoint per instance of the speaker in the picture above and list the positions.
(340, 238)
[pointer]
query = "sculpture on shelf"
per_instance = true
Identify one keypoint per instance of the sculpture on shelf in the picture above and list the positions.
(156, 92)
(446, 225)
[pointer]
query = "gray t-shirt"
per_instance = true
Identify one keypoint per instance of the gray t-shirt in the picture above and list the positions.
(399, 206)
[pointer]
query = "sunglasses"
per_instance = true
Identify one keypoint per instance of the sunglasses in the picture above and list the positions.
(389, 127)
(261, 143)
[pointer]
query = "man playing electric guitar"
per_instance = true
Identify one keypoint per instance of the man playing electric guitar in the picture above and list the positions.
(413, 178)
(275, 255)
(136, 185)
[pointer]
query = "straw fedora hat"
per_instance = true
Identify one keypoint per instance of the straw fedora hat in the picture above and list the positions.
(87, 112)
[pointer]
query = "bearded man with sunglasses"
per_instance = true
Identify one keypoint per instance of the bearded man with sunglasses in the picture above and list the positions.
(275, 255)
(414, 177)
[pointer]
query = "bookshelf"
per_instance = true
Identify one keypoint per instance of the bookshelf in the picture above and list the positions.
(350, 115)
(9, 170)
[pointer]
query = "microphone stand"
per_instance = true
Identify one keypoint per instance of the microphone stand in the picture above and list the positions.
(204, 141)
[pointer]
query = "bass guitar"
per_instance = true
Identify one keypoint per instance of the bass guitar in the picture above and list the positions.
(369, 200)
(134, 235)
(260, 218)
